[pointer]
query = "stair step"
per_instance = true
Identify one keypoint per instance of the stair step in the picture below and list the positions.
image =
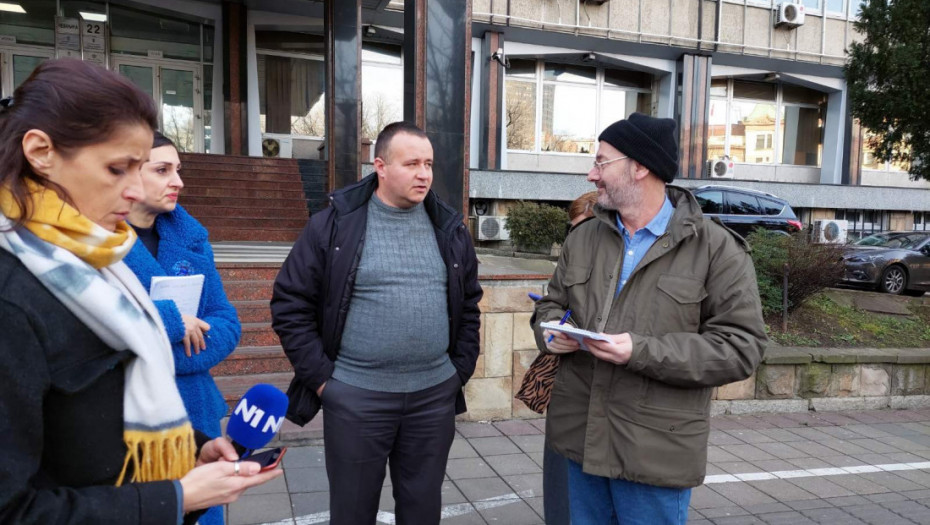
(253, 311)
(247, 234)
(244, 169)
(221, 190)
(253, 360)
(202, 211)
(258, 334)
(248, 272)
(233, 387)
(254, 223)
(208, 158)
(251, 290)
(246, 201)
(202, 180)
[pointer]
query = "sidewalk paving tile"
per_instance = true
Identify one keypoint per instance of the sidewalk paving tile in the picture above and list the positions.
(724, 437)
(301, 457)
(813, 434)
(538, 457)
(737, 467)
(780, 490)
(275, 486)
(719, 455)
(461, 449)
(539, 423)
(844, 447)
(842, 433)
(886, 497)
(536, 503)
(702, 497)
(478, 489)
(808, 463)
(509, 464)
(466, 468)
(847, 501)
(917, 494)
(821, 487)
(248, 510)
(781, 450)
(451, 494)
(516, 513)
(908, 457)
(743, 494)
(813, 449)
(528, 484)
(833, 516)
(530, 443)
(860, 485)
(470, 518)
(494, 446)
(750, 436)
(874, 445)
(310, 503)
(473, 430)
(875, 514)
(892, 481)
(739, 520)
(699, 522)
(842, 461)
(786, 518)
(782, 435)
(773, 465)
(808, 504)
(517, 427)
(311, 479)
(724, 512)
(767, 508)
(749, 452)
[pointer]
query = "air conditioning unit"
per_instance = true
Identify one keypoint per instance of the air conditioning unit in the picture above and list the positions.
(789, 14)
(277, 146)
(830, 231)
(492, 228)
(720, 169)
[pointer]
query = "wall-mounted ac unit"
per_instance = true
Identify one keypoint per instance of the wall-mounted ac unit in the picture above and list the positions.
(831, 231)
(275, 145)
(789, 14)
(720, 169)
(492, 228)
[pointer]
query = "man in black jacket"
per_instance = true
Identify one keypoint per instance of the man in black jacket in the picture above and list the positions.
(377, 310)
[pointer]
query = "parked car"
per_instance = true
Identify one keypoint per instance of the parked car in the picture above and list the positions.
(744, 210)
(893, 262)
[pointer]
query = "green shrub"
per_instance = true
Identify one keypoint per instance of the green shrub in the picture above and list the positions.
(536, 225)
(811, 267)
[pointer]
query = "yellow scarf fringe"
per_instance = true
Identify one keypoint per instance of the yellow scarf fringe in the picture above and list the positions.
(57, 222)
(158, 455)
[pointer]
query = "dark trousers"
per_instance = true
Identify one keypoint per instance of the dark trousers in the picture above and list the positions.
(364, 430)
(555, 487)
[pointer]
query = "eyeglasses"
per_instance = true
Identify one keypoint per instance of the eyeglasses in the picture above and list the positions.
(599, 166)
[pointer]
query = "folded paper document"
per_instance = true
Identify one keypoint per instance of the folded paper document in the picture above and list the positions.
(184, 291)
(575, 333)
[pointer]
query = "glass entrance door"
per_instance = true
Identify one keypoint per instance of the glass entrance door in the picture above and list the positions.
(176, 91)
(17, 65)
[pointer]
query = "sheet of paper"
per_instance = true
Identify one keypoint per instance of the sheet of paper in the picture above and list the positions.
(184, 291)
(575, 333)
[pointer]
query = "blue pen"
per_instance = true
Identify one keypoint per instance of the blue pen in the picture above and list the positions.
(568, 313)
(534, 296)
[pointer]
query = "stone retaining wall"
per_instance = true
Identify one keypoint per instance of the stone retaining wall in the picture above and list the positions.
(789, 380)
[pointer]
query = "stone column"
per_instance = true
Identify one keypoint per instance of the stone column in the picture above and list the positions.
(693, 114)
(437, 61)
(235, 89)
(343, 34)
(492, 91)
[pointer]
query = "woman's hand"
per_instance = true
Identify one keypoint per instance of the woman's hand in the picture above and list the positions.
(194, 330)
(215, 450)
(217, 483)
(561, 343)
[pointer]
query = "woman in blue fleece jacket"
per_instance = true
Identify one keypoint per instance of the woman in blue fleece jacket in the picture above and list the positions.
(171, 242)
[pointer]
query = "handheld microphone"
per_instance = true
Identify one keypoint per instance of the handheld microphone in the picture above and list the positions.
(256, 419)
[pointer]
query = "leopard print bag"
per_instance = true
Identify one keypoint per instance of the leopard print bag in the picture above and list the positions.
(537, 382)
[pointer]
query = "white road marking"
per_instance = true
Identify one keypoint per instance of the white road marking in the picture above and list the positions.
(814, 472)
(449, 511)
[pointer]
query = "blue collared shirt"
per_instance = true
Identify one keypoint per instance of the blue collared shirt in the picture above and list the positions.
(637, 246)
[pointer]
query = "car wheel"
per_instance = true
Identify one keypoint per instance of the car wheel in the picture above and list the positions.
(894, 280)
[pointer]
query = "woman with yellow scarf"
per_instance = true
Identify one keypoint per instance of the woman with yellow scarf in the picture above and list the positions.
(92, 428)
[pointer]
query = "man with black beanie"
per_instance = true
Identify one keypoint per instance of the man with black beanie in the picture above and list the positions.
(675, 293)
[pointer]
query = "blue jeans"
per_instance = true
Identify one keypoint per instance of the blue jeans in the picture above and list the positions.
(555, 487)
(595, 500)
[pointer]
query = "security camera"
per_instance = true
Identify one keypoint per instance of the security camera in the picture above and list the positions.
(500, 57)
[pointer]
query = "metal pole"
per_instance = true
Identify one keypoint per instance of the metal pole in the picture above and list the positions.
(784, 301)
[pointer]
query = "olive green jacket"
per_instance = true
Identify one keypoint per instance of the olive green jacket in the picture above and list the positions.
(692, 308)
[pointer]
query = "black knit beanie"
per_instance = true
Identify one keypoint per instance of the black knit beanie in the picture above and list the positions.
(650, 141)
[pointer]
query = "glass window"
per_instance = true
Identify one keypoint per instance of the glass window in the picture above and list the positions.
(813, 5)
(710, 201)
(207, 107)
(137, 31)
(520, 68)
(23, 66)
(742, 204)
(855, 7)
(718, 87)
(836, 6)
(748, 120)
(382, 87)
(568, 73)
(717, 129)
(520, 115)
(617, 105)
(209, 37)
(801, 95)
(626, 78)
(771, 207)
(36, 26)
(802, 136)
(291, 96)
(568, 114)
(754, 90)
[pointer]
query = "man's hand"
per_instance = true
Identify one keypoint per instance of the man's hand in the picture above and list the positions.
(319, 391)
(194, 330)
(618, 351)
(561, 343)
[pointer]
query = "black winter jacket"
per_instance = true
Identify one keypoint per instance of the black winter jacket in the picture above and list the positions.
(314, 287)
(61, 417)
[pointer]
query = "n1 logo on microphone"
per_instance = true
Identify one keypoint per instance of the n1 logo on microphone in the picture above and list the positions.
(253, 416)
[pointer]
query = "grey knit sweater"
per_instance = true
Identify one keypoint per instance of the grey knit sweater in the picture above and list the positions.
(396, 335)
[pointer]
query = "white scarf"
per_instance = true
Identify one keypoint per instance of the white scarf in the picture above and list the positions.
(115, 306)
